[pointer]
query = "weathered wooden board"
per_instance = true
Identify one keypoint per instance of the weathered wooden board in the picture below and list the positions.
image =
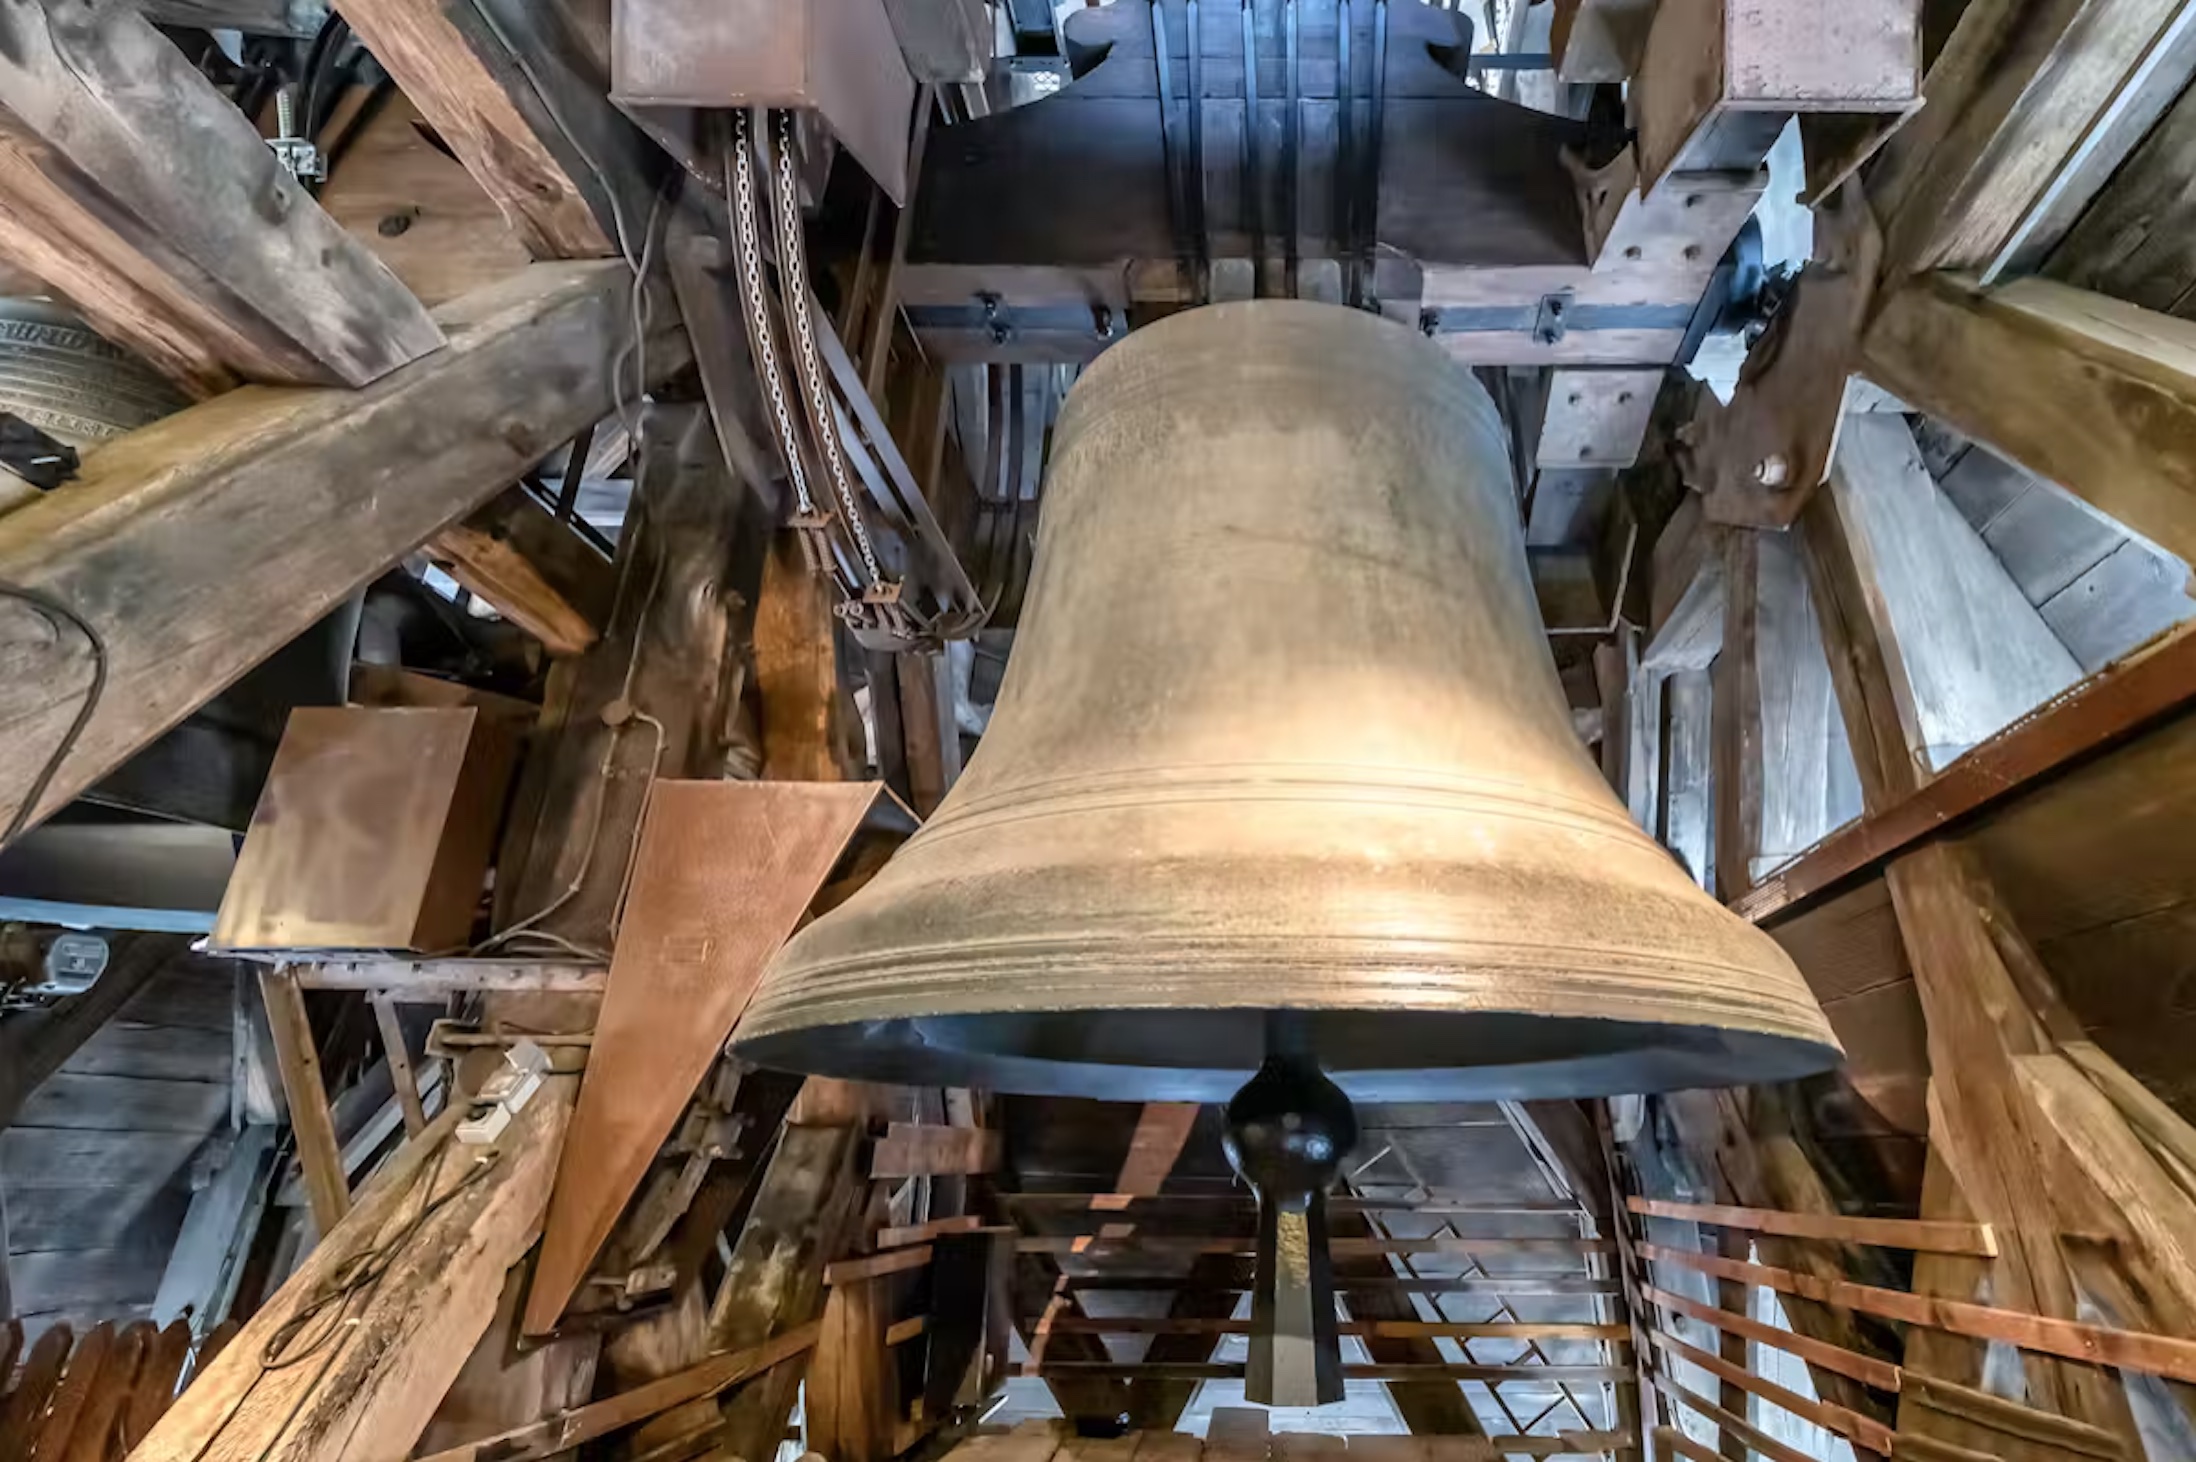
(202, 543)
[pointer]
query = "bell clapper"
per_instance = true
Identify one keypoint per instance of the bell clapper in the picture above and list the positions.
(1289, 1128)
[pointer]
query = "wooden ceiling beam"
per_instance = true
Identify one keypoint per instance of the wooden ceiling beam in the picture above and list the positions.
(537, 572)
(198, 546)
(516, 88)
(132, 186)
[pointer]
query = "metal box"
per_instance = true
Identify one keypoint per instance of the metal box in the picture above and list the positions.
(374, 832)
(838, 58)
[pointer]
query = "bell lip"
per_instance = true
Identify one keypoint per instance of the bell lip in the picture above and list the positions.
(1586, 1056)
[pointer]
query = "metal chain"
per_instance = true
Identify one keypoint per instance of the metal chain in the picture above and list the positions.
(747, 234)
(793, 272)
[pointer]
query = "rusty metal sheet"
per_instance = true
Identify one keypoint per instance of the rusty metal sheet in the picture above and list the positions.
(724, 873)
(373, 832)
(836, 57)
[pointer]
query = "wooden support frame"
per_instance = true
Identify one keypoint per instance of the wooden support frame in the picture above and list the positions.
(1897, 1233)
(2153, 682)
(2095, 394)
(306, 1094)
(134, 187)
(386, 1364)
(537, 572)
(2157, 1355)
(33, 1046)
(250, 483)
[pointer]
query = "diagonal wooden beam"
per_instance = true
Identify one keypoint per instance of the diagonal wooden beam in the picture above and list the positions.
(516, 89)
(2095, 394)
(537, 572)
(199, 545)
(134, 187)
(34, 1046)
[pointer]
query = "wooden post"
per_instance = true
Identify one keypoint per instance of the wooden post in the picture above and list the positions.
(318, 1153)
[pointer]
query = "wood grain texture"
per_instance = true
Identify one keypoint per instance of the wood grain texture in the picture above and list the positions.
(371, 1392)
(305, 1091)
(207, 258)
(537, 572)
(463, 82)
(2092, 393)
(201, 544)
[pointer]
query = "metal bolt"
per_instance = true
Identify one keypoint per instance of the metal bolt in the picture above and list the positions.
(1771, 470)
(286, 111)
(1632, 251)
(1692, 252)
(1574, 399)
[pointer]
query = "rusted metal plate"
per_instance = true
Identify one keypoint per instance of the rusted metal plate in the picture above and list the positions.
(724, 873)
(838, 58)
(373, 832)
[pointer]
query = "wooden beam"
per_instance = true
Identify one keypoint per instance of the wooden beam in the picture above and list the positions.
(1866, 1369)
(918, 1150)
(399, 1056)
(305, 1092)
(568, 1429)
(1162, 1129)
(2157, 1355)
(1897, 1233)
(2152, 682)
(432, 981)
(198, 546)
(2097, 395)
(537, 572)
(1863, 1430)
(376, 1378)
(1856, 655)
(1423, 1371)
(1393, 1329)
(775, 1282)
(133, 186)
(2028, 110)
(34, 1045)
(500, 83)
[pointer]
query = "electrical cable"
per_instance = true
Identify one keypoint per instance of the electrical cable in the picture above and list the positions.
(61, 617)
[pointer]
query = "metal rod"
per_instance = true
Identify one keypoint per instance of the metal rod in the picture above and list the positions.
(1199, 236)
(1254, 199)
(1345, 121)
(1175, 207)
(1367, 216)
(1289, 123)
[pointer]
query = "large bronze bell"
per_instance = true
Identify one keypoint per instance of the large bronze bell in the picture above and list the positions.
(1281, 748)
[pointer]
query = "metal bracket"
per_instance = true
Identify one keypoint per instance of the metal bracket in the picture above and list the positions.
(1549, 325)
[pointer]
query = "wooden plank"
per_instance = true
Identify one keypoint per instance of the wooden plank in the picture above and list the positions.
(251, 483)
(1897, 1233)
(1356, 1371)
(376, 1381)
(909, 1150)
(1099, 1245)
(157, 1052)
(1868, 1370)
(1863, 1430)
(688, 562)
(432, 981)
(571, 1428)
(1688, 802)
(1730, 1422)
(25, 1404)
(33, 1046)
(306, 1094)
(2090, 392)
(126, 1102)
(797, 671)
(91, 1438)
(157, 1378)
(876, 1266)
(923, 1233)
(85, 1280)
(1162, 1130)
(2157, 1355)
(208, 259)
(1418, 1329)
(454, 67)
(850, 1398)
(75, 1391)
(724, 873)
(2028, 111)
(537, 572)
(1964, 652)
(2158, 679)
(775, 1281)
(2137, 241)
(1854, 649)
(397, 1052)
